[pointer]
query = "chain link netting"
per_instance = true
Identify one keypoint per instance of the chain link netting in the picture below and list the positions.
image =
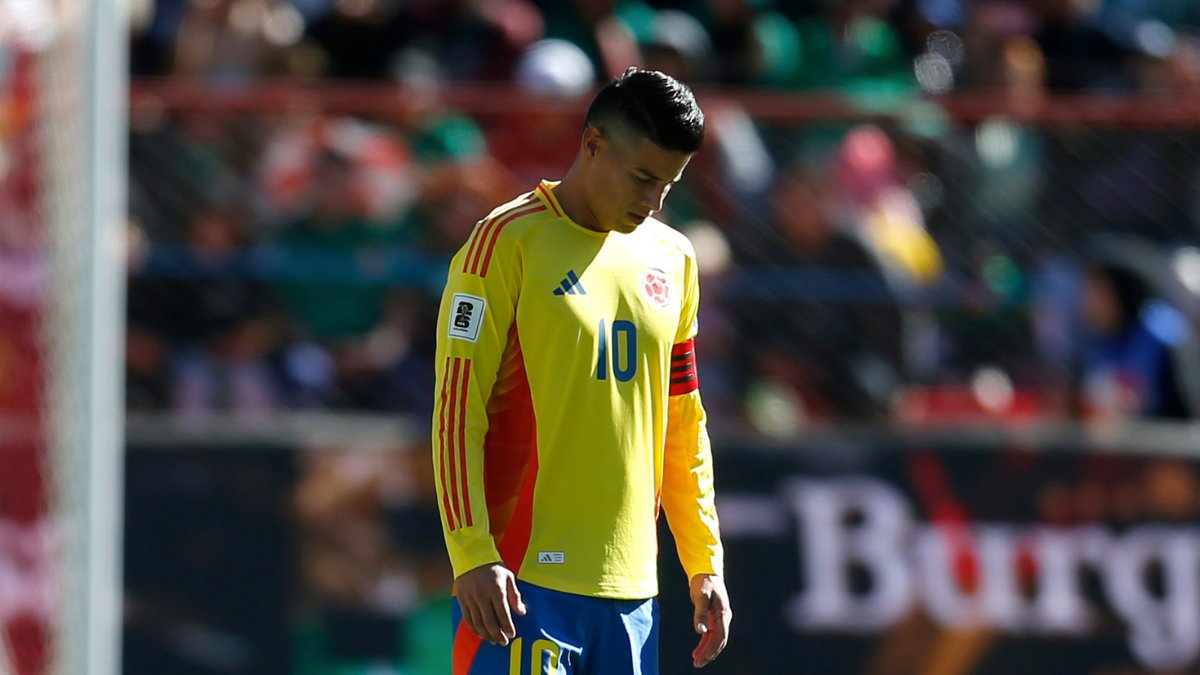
(913, 268)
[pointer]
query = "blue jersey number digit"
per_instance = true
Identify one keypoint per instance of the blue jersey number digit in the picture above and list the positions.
(624, 339)
(629, 331)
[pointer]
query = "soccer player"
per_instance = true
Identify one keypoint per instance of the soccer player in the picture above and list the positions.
(567, 410)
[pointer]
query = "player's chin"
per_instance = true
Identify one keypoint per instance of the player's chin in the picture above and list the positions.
(630, 222)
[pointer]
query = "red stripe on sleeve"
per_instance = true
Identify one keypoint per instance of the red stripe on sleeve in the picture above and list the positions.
(683, 369)
(550, 201)
(454, 470)
(496, 235)
(442, 450)
(462, 439)
(483, 235)
(476, 235)
(486, 231)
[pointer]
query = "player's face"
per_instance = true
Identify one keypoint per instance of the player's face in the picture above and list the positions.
(630, 178)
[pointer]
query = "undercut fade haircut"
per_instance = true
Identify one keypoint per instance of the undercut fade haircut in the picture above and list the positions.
(652, 104)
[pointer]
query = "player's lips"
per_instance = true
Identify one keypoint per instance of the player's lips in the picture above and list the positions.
(637, 217)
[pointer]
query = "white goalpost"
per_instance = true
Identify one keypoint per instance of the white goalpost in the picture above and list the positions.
(82, 134)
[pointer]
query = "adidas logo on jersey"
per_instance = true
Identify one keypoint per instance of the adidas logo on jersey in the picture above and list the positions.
(570, 286)
(551, 557)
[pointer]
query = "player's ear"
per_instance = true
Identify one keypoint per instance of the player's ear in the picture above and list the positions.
(593, 141)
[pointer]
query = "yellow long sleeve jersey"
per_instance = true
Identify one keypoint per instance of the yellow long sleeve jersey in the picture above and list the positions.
(567, 408)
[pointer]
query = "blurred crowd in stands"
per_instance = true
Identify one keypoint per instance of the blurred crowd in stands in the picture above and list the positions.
(916, 269)
(909, 265)
(860, 46)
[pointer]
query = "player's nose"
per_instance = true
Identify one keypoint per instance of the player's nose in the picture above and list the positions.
(652, 200)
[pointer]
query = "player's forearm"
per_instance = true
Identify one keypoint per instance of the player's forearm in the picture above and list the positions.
(692, 516)
(470, 550)
(699, 547)
(688, 497)
(464, 521)
(459, 424)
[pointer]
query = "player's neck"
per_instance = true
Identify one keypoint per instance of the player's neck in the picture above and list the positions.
(573, 200)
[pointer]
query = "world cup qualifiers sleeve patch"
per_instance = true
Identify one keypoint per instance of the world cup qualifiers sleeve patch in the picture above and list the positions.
(466, 315)
(683, 368)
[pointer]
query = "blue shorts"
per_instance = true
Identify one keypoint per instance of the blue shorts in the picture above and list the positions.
(565, 634)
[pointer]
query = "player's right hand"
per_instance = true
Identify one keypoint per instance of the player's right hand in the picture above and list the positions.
(487, 596)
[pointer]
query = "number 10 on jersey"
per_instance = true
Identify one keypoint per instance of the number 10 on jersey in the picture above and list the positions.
(624, 350)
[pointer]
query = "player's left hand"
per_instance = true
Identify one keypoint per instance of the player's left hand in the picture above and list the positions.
(712, 617)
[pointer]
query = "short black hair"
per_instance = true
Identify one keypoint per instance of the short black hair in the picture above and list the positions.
(653, 104)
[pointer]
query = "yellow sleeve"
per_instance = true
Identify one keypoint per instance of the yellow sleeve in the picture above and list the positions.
(687, 489)
(477, 310)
